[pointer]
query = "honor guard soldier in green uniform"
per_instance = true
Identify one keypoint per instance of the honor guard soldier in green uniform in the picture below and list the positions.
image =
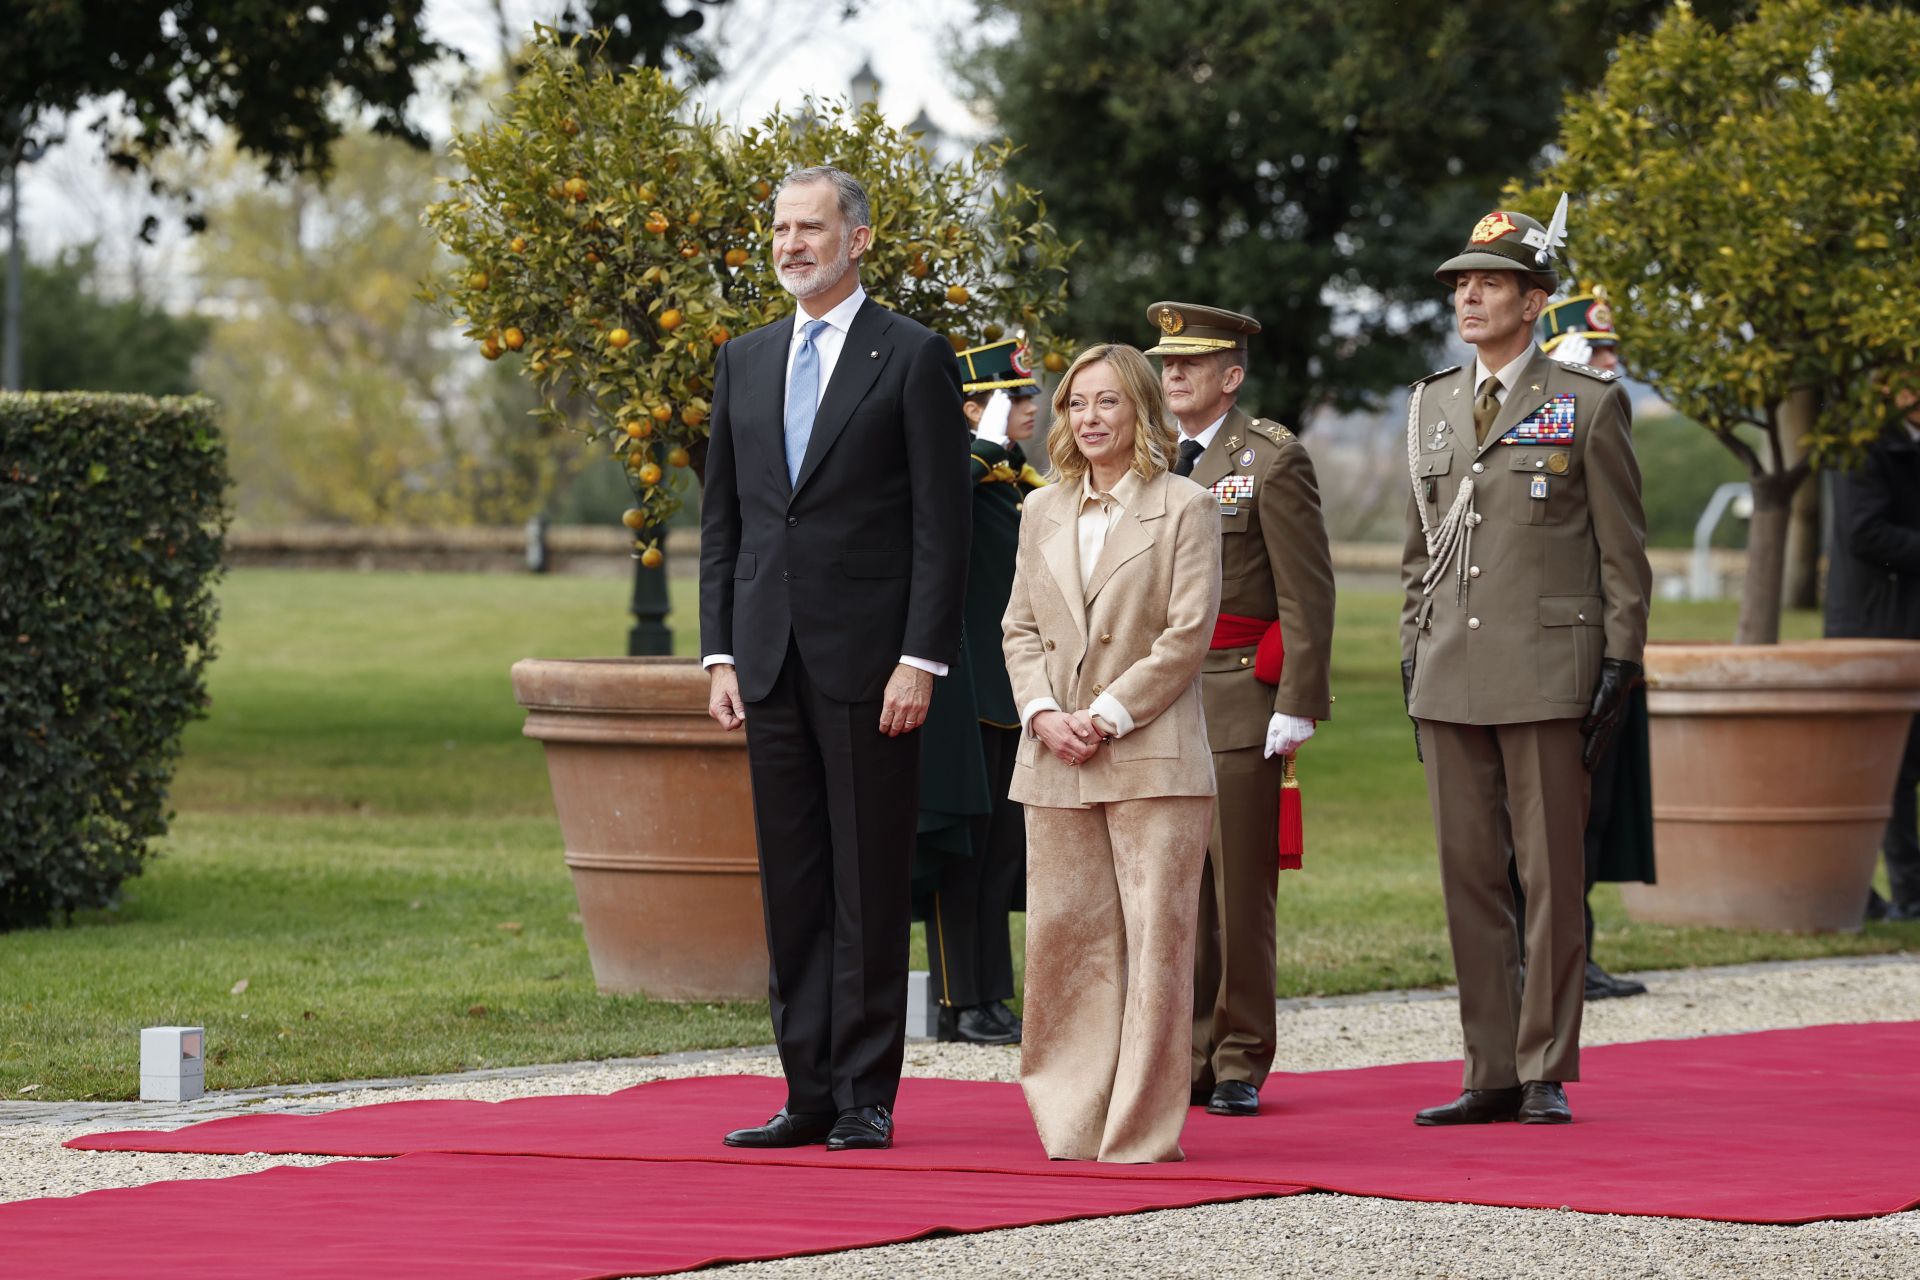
(1276, 591)
(973, 842)
(1522, 632)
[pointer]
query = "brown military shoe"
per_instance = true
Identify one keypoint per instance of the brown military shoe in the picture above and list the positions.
(1544, 1102)
(1474, 1106)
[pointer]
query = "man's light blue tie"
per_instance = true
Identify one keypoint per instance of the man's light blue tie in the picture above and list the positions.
(803, 397)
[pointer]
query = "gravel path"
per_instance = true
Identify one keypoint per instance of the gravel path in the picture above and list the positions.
(1305, 1235)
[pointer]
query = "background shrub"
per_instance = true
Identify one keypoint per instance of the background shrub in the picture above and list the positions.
(112, 516)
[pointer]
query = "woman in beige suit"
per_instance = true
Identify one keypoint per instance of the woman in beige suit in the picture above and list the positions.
(1115, 591)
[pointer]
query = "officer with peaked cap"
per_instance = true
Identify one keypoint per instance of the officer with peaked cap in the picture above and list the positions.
(1525, 617)
(971, 864)
(1276, 577)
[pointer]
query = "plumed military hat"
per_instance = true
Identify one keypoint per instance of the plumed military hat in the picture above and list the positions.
(1187, 329)
(998, 366)
(1587, 314)
(1505, 241)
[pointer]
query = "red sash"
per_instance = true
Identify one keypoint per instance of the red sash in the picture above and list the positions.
(1232, 631)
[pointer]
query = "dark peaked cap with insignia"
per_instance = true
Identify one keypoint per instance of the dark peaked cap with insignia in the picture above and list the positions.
(998, 366)
(1187, 329)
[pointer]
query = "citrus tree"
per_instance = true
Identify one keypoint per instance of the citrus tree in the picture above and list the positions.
(611, 238)
(1748, 199)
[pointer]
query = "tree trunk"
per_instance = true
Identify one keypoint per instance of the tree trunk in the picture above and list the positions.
(1801, 588)
(1766, 557)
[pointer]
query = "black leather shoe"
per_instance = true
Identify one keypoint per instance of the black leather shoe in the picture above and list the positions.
(1005, 1017)
(862, 1129)
(1234, 1098)
(1474, 1106)
(1544, 1102)
(785, 1130)
(1602, 985)
(973, 1025)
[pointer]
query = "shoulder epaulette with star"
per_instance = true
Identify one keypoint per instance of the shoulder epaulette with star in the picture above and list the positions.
(1604, 375)
(1437, 373)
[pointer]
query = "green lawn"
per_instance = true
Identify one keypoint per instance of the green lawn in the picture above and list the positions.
(367, 843)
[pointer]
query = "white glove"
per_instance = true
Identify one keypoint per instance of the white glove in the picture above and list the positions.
(1285, 733)
(993, 419)
(1573, 349)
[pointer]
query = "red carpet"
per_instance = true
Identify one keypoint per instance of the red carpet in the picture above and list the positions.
(1779, 1127)
(479, 1217)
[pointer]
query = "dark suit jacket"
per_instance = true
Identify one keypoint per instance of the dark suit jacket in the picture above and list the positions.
(864, 559)
(1873, 573)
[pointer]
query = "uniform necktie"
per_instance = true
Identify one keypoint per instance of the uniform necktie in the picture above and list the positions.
(803, 397)
(1190, 451)
(1486, 407)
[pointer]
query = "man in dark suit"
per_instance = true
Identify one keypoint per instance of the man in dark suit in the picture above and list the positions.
(1873, 589)
(833, 556)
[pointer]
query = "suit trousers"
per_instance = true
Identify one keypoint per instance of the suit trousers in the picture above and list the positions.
(1603, 781)
(1111, 897)
(1233, 1009)
(1518, 786)
(969, 941)
(834, 810)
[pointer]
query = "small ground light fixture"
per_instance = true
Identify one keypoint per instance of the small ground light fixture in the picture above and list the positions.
(173, 1063)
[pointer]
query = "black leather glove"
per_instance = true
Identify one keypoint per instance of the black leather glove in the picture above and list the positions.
(1609, 708)
(1406, 700)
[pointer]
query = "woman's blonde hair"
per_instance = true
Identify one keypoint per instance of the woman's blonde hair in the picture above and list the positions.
(1155, 441)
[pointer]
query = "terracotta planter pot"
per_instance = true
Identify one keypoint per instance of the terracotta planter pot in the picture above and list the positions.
(1773, 770)
(656, 811)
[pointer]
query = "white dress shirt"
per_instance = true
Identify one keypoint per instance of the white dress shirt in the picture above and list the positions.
(827, 345)
(1206, 437)
(1098, 511)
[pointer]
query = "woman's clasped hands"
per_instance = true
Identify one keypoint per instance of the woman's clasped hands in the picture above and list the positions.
(1073, 737)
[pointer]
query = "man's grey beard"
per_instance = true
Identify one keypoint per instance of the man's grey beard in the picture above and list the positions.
(820, 281)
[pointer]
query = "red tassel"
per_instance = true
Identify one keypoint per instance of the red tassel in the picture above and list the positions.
(1292, 834)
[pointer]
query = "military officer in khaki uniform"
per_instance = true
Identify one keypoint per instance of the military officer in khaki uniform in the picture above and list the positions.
(1275, 572)
(1523, 628)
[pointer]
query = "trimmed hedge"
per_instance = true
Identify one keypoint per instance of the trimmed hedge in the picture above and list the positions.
(112, 515)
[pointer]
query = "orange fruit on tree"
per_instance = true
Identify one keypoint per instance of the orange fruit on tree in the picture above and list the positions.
(576, 189)
(992, 333)
(957, 342)
(490, 349)
(512, 339)
(662, 412)
(653, 275)
(569, 126)
(478, 280)
(647, 473)
(671, 319)
(652, 558)
(762, 189)
(518, 244)
(676, 456)
(618, 338)
(1055, 362)
(657, 223)
(957, 294)
(592, 257)
(718, 335)
(633, 518)
(735, 258)
(643, 193)
(689, 250)
(918, 268)
(637, 428)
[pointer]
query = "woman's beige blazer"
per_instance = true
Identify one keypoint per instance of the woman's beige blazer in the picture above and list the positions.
(1139, 631)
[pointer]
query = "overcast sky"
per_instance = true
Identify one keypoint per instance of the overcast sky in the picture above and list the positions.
(775, 52)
